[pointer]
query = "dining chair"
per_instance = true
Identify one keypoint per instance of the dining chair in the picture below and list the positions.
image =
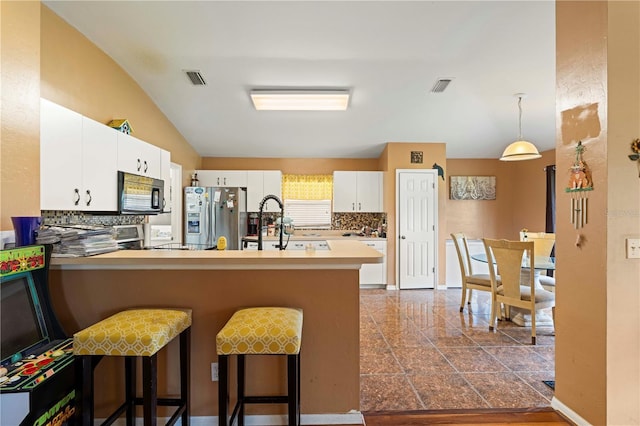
(470, 281)
(543, 243)
(512, 290)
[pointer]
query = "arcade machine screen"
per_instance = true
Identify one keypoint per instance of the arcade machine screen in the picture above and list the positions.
(36, 370)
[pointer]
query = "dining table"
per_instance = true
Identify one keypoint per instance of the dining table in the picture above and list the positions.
(540, 263)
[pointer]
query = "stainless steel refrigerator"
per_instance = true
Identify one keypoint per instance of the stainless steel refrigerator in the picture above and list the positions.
(211, 213)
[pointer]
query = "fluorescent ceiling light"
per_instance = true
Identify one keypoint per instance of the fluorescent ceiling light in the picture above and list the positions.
(300, 100)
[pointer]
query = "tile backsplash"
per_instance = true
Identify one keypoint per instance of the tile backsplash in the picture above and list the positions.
(344, 221)
(355, 221)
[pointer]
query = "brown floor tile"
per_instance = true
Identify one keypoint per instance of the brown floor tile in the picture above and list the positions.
(443, 337)
(422, 360)
(519, 358)
(417, 351)
(505, 390)
(535, 381)
(472, 360)
(446, 391)
(379, 362)
(408, 338)
(387, 392)
(372, 340)
(484, 337)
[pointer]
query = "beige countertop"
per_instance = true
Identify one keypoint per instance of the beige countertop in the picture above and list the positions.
(343, 254)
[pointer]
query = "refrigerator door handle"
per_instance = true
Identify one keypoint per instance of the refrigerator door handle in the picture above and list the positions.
(208, 230)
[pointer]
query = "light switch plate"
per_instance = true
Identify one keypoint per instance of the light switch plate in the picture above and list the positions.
(633, 248)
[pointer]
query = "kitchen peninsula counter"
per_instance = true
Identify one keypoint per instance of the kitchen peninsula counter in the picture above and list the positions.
(214, 284)
(342, 254)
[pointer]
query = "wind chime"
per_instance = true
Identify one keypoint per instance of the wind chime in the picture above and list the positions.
(580, 183)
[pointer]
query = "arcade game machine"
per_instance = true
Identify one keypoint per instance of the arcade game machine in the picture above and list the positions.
(36, 367)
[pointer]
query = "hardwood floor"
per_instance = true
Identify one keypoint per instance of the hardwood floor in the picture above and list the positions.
(521, 417)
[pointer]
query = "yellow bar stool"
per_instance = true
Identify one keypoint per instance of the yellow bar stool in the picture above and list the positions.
(259, 331)
(131, 334)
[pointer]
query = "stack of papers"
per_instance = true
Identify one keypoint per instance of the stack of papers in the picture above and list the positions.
(78, 240)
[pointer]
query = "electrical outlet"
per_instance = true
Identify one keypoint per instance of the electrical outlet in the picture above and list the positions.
(214, 371)
(633, 248)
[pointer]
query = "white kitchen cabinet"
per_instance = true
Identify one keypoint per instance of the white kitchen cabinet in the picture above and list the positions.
(138, 157)
(357, 192)
(261, 183)
(227, 178)
(78, 161)
(375, 273)
(165, 173)
(99, 166)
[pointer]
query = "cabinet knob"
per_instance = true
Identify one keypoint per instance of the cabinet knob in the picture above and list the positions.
(146, 166)
(90, 198)
(359, 206)
(353, 206)
(77, 200)
(403, 237)
(139, 165)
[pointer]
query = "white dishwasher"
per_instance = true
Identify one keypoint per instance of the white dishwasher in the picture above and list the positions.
(374, 275)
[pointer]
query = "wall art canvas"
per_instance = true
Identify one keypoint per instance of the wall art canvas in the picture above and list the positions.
(472, 188)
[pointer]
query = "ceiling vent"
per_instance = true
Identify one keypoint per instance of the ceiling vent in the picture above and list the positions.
(196, 78)
(440, 85)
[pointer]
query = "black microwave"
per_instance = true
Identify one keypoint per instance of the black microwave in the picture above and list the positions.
(139, 194)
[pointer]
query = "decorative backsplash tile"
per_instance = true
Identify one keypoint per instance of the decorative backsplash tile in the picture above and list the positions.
(343, 221)
(355, 221)
(56, 217)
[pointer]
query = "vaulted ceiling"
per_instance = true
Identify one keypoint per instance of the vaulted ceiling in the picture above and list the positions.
(389, 54)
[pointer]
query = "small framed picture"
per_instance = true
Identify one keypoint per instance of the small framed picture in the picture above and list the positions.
(416, 157)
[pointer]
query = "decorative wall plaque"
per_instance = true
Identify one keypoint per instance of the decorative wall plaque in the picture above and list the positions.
(416, 157)
(472, 188)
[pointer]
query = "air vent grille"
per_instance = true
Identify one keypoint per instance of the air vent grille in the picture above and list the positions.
(196, 78)
(440, 85)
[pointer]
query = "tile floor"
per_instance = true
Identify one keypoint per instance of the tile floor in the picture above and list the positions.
(418, 351)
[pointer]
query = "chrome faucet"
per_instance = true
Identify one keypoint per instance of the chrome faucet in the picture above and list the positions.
(262, 203)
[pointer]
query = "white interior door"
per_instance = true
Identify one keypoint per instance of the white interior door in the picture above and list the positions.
(417, 207)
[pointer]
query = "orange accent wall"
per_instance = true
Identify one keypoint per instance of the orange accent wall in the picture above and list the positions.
(20, 112)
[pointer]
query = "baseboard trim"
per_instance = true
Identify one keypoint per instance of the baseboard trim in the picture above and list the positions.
(557, 405)
(350, 418)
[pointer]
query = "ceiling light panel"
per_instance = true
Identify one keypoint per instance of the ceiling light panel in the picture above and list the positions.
(300, 100)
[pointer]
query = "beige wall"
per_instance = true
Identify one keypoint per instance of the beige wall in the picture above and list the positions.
(295, 166)
(76, 74)
(20, 112)
(520, 198)
(597, 321)
(623, 215)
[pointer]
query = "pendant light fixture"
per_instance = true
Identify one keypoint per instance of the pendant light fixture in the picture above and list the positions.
(520, 149)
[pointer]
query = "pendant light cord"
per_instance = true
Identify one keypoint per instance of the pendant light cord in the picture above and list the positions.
(520, 118)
